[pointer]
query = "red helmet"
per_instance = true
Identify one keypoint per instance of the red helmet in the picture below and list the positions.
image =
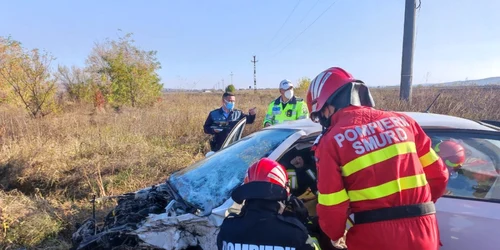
(266, 179)
(325, 85)
(451, 152)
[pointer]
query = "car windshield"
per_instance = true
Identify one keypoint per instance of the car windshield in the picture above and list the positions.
(209, 183)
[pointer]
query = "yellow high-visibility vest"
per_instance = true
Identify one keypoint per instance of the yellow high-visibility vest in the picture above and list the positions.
(295, 109)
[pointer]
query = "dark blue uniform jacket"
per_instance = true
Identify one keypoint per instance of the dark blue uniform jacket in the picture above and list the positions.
(217, 115)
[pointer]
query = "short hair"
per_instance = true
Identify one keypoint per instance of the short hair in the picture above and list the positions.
(226, 94)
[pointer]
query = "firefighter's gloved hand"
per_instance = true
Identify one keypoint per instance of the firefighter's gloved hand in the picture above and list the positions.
(299, 209)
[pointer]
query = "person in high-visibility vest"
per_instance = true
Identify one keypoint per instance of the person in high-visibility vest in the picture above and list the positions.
(287, 107)
(378, 165)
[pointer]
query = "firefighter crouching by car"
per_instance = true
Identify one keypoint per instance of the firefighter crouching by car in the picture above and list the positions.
(377, 164)
(262, 223)
(287, 107)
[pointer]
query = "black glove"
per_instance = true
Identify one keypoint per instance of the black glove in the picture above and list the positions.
(299, 209)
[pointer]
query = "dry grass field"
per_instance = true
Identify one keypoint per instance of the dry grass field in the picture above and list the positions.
(50, 167)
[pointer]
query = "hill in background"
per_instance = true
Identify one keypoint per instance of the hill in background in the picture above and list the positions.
(477, 82)
(481, 82)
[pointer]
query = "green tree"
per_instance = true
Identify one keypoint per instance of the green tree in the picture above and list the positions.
(8, 49)
(303, 84)
(124, 74)
(29, 77)
(230, 88)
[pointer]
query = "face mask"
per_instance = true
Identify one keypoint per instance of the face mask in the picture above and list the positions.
(289, 93)
(325, 121)
(229, 105)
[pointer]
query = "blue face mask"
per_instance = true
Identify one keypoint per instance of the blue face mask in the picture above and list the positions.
(229, 105)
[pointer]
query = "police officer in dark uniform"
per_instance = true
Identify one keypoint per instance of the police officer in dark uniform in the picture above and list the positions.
(261, 224)
(222, 120)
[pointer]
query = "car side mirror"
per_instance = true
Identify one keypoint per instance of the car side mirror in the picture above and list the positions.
(209, 154)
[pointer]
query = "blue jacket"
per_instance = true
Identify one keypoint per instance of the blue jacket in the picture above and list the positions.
(217, 115)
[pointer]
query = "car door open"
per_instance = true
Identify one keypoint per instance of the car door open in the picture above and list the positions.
(235, 133)
(233, 136)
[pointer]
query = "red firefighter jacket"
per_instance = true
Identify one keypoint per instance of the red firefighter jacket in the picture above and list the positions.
(371, 159)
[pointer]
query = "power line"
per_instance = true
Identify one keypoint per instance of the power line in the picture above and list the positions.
(299, 23)
(254, 75)
(309, 11)
(331, 5)
(275, 34)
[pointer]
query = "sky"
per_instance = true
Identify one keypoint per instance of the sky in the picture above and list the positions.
(200, 42)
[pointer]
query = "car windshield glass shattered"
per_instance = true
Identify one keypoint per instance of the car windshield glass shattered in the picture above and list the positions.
(208, 183)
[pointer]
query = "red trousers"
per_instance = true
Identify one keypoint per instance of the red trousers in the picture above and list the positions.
(417, 233)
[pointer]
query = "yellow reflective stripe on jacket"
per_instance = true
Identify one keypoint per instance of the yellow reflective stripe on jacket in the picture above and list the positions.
(332, 198)
(429, 158)
(313, 241)
(378, 156)
(292, 175)
(311, 174)
(388, 188)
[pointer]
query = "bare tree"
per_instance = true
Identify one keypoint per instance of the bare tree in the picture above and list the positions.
(75, 81)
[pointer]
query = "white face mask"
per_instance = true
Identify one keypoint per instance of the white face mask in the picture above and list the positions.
(289, 93)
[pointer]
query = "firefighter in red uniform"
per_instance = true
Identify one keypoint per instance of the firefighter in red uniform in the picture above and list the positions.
(378, 165)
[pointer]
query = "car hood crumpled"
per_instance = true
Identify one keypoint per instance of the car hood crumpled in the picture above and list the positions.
(179, 232)
(140, 220)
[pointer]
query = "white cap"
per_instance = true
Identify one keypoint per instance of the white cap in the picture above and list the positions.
(286, 84)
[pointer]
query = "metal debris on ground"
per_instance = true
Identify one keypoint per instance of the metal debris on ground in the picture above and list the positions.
(116, 233)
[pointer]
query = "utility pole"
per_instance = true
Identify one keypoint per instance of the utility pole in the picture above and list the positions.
(223, 87)
(407, 58)
(254, 75)
(231, 77)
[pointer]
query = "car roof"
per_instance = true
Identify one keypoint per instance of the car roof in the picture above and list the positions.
(425, 120)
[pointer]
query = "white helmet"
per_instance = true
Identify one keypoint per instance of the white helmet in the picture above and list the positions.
(286, 84)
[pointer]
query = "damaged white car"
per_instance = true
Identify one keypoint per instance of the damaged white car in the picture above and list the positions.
(186, 211)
